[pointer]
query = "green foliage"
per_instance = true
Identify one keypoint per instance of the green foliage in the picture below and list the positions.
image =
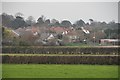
(30, 21)
(51, 59)
(59, 36)
(80, 23)
(23, 43)
(66, 23)
(18, 22)
(6, 19)
(41, 20)
(112, 33)
(6, 33)
(60, 50)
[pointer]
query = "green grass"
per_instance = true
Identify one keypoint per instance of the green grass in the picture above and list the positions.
(59, 71)
(0, 70)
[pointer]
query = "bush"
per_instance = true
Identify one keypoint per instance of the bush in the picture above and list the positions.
(102, 60)
(61, 50)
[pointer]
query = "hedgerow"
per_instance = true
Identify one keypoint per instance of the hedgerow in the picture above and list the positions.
(60, 50)
(101, 60)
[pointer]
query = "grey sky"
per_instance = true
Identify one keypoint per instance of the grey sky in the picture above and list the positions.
(99, 11)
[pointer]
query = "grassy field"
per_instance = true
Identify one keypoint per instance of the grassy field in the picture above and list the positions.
(59, 71)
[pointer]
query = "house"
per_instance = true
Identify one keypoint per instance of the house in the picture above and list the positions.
(26, 34)
(15, 33)
(34, 30)
(47, 39)
(22, 31)
(59, 30)
(85, 30)
(73, 36)
(50, 37)
(109, 41)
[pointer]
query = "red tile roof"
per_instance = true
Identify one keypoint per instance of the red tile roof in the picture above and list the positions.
(58, 29)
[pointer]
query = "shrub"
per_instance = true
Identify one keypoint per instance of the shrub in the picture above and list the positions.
(61, 50)
(101, 60)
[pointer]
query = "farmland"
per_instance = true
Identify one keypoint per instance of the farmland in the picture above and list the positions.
(59, 71)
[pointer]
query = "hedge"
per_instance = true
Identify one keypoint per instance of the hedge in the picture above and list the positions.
(94, 59)
(61, 50)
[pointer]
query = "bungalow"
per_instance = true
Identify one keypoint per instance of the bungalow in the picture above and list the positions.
(109, 41)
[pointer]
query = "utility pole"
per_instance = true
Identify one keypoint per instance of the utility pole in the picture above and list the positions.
(94, 38)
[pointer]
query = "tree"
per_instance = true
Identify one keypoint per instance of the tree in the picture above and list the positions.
(30, 21)
(59, 36)
(47, 22)
(18, 22)
(6, 33)
(6, 19)
(66, 23)
(91, 21)
(55, 22)
(19, 14)
(87, 23)
(80, 23)
(112, 33)
(41, 20)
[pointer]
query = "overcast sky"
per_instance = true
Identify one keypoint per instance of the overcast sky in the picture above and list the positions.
(99, 11)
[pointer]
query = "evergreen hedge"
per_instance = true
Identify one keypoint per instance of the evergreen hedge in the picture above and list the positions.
(61, 50)
(94, 59)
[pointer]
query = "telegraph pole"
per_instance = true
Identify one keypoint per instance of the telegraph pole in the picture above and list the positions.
(94, 38)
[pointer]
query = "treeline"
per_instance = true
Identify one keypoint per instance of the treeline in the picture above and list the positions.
(60, 50)
(100, 60)
(19, 21)
(111, 29)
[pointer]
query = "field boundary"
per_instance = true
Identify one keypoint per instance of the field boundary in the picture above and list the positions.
(101, 60)
(61, 50)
